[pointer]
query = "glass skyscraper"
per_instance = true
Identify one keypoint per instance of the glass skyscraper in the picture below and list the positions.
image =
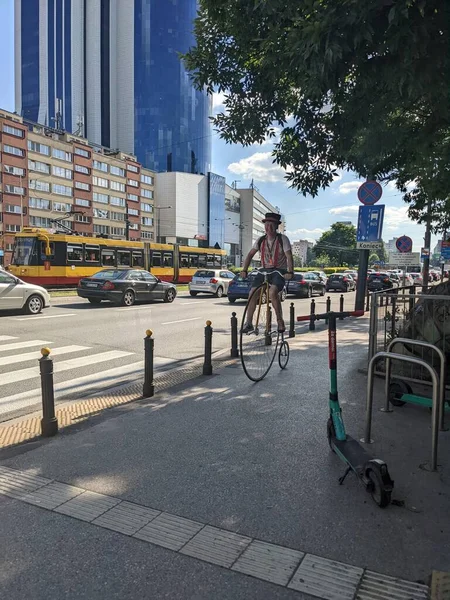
(109, 70)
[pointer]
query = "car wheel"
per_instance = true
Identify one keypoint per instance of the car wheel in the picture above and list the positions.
(128, 298)
(94, 300)
(34, 305)
(231, 300)
(193, 294)
(219, 292)
(283, 295)
(170, 296)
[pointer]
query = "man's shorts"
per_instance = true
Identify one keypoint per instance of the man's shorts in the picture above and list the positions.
(274, 279)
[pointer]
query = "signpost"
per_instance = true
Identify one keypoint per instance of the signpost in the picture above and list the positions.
(370, 192)
(404, 259)
(404, 244)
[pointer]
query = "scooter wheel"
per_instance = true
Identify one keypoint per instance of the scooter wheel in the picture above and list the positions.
(377, 490)
(330, 432)
(396, 389)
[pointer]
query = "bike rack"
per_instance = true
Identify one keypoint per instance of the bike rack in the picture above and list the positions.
(441, 376)
(434, 409)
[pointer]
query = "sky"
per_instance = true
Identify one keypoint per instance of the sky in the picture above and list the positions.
(306, 218)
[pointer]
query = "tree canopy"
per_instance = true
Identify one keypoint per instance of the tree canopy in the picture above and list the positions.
(338, 244)
(353, 85)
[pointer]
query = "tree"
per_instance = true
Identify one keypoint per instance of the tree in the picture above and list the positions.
(322, 261)
(355, 85)
(309, 256)
(373, 258)
(338, 244)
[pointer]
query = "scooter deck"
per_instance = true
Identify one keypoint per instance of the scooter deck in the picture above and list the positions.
(352, 453)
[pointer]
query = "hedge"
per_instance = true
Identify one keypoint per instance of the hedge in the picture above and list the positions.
(326, 270)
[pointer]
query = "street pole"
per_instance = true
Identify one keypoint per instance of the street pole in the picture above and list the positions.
(427, 240)
(158, 225)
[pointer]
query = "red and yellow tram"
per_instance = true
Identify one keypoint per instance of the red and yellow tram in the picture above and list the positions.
(58, 259)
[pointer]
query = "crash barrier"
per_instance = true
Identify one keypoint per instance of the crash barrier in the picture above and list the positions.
(434, 410)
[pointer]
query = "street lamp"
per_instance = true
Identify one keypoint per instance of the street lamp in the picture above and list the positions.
(158, 221)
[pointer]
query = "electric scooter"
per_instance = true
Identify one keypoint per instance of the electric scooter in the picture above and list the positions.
(371, 472)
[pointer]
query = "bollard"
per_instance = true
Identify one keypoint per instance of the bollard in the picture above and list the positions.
(291, 321)
(234, 336)
(367, 299)
(312, 321)
(341, 306)
(49, 423)
(207, 365)
(412, 300)
(149, 346)
(328, 309)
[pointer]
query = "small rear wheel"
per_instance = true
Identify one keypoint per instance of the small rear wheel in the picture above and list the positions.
(380, 495)
(283, 354)
(170, 295)
(128, 298)
(396, 390)
(34, 305)
(219, 292)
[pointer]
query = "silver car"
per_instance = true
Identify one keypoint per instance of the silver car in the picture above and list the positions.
(211, 281)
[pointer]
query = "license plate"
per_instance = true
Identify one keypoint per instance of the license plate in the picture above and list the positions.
(91, 285)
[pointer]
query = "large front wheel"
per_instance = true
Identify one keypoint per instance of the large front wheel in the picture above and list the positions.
(258, 347)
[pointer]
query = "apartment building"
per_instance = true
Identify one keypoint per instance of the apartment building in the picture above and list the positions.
(56, 180)
(300, 250)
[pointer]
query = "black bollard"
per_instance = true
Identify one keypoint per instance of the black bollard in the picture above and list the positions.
(367, 300)
(312, 321)
(328, 305)
(412, 291)
(341, 306)
(149, 346)
(291, 321)
(207, 365)
(234, 353)
(49, 423)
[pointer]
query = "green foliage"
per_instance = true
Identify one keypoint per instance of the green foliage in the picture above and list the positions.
(338, 244)
(373, 258)
(320, 261)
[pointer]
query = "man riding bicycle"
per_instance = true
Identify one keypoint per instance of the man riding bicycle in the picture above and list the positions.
(276, 255)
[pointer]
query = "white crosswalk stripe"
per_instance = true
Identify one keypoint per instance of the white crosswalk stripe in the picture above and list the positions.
(19, 358)
(28, 344)
(3, 338)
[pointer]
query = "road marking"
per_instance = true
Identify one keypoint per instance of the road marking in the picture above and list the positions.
(181, 321)
(18, 345)
(36, 318)
(197, 302)
(17, 358)
(4, 338)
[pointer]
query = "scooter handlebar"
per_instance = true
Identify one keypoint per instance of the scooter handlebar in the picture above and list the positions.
(343, 315)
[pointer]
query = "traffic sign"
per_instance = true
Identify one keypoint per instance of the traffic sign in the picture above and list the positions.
(404, 259)
(369, 245)
(404, 244)
(424, 253)
(370, 192)
(445, 250)
(370, 223)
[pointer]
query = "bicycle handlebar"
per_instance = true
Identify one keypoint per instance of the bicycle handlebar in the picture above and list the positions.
(342, 315)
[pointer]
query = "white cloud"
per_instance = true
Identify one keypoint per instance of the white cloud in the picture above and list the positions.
(258, 166)
(218, 99)
(349, 186)
(300, 233)
(343, 210)
(394, 217)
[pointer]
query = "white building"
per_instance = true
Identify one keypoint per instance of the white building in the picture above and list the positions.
(300, 250)
(390, 245)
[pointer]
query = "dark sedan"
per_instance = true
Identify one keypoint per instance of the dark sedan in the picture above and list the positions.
(342, 282)
(125, 286)
(239, 288)
(304, 285)
(378, 282)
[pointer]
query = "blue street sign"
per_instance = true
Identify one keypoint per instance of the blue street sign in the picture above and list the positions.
(370, 223)
(404, 244)
(445, 250)
(2, 253)
(370, 192)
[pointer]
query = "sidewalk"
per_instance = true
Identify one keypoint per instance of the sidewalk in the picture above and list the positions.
(216, 469)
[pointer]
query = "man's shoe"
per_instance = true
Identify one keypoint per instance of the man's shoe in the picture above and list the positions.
(248, 327)
(281, 327)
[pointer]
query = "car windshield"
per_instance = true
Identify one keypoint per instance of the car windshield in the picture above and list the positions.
(204, 274)
(336, 276)
(110, 274)
(298, 276)
(23, 251)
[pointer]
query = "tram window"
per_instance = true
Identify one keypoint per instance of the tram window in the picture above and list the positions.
(210, 260)
(217, 261)
(156, 259)
(92, 253)
(52, 251)
(184, 261)
(108, 258)
(168, 259)
(74, 252)
(193, 261)
(201, 261)
(138, 259)
(123, 258)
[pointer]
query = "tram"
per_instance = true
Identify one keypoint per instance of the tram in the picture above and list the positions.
(59, 259)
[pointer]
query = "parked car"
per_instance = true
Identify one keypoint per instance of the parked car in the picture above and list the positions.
(353, 273)
(210, 281)
(340, 282)
(125, 286)
(239, 288)
(382, 281)
(323, 277)
(417, 278)
(305, 285)
(15, 294)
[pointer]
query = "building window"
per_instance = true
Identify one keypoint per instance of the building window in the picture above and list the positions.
(146, 235)
(100, 166)
(133, 197)
(103, 198)
(39, 203)
(133, 168)
(146, 179)
(100, 182)
(36, 147)
(12, 228)
(82, 152)
(37, 184)
(115, 216)
(133, 211)
(117, 171)
(14, 170)
(80, 185)
(62, 172)
(147, 193)
(13, 131)
(100, 213)
(36, 165)
(13, 150)
(147, 221)
(133, 182)
(62, 190)
(104, 229)
(82, 169)
(117, 231)
(61, 154)
(116, 201)
(12, 208)
(9, 247)
(82, 219)
(14, 189)
(116, 185)
(62, 206)
(82, 202)
(146, 207)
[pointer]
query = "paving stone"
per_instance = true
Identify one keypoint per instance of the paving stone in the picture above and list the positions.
(269, 562)
(87, 506)
(375, 586)
(16, 484)
(217, 546)
(327, 579)
(53, 495)
(126, 518)
(169, 531)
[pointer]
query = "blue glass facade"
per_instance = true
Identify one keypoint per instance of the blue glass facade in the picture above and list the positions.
(172, 131)
(30, 60)
(216, 209)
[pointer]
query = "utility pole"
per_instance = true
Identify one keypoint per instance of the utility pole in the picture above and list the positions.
(427, 241)
(127, 224)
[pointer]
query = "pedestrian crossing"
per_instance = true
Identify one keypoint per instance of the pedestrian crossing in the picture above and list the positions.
(79, 371)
